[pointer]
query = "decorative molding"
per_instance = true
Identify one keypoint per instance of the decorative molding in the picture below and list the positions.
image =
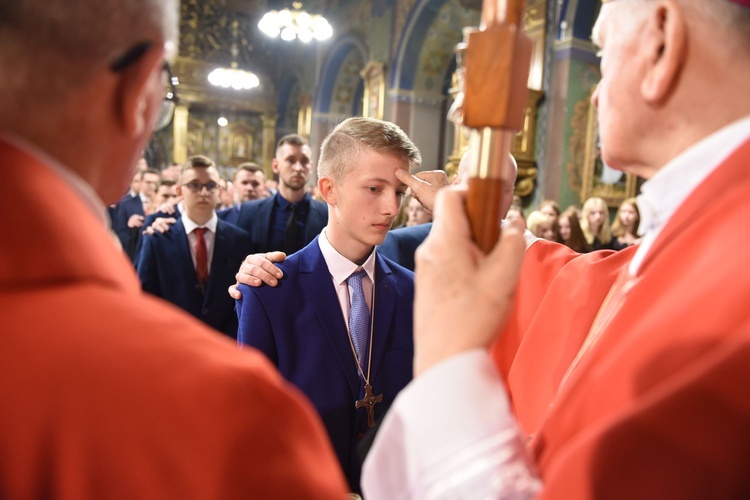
(373, 105)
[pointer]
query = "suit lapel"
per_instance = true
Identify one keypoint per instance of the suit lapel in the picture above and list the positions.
(262, 224)
(218, 260)
(316, 283)
(385, 306)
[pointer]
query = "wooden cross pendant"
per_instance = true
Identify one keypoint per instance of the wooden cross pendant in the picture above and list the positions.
(369, 402)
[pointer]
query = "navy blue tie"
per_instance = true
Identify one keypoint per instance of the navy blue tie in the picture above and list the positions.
(359, 318)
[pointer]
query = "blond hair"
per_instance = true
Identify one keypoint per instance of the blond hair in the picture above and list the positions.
(352, 137)
(605, 234)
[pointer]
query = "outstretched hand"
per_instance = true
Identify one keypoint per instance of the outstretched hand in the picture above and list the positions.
(463, 298)
(257, 269)
(160, 225)
(424, 185)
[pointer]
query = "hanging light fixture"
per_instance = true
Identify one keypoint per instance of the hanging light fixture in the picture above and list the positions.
(233, 76)
(296, 23)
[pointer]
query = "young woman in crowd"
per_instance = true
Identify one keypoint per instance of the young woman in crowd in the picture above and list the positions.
(595, 223)
(625, 226)
(570, 230)
(543, 226)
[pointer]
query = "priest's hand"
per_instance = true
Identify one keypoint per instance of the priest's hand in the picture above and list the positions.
(463, 298)
(257, 269)
(424, 185)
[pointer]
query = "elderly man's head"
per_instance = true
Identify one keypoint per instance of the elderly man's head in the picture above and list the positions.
(95, 70)
(662, 67)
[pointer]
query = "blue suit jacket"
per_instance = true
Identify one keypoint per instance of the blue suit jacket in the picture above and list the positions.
(146, 223)
(230, 215)
(127, 206)
(400, 244)
(255, 218)
(300, 327)
(166, 270)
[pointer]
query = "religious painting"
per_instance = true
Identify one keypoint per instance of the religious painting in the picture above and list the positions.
(240, 142)
(196, 129)
(599, 179)
(374, 102)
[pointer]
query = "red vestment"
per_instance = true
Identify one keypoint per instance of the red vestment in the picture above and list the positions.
(106, 392)
(659, 407)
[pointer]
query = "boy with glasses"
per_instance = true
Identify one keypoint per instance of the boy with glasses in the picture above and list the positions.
(192, 265)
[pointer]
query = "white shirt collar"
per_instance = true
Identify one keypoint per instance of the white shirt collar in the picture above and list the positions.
(339, 266)
(190, 225)
(663, 194)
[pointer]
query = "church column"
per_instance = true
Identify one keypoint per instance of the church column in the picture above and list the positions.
(180, 128)
(269, 142)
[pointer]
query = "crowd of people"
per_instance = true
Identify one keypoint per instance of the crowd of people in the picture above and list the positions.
(587, 229)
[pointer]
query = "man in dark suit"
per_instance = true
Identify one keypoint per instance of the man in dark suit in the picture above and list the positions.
(193, 264)
(286, 221)
(290, 219)
(132, 210)
(301, 324)
(249, 183)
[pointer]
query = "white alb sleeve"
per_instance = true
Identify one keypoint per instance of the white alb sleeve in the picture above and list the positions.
(450, 434)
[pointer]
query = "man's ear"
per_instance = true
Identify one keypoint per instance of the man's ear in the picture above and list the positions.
(274, 165)
(667, 47)
(136, 91)
(178, 189)
(325, 189)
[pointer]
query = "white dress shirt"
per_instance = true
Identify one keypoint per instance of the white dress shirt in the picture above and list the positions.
(209, 236)
(341, 268)
(469, 447)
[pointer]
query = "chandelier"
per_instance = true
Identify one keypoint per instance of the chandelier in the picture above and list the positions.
(297, 23)
(233, 76)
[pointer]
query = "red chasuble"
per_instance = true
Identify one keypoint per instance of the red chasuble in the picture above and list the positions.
(659, 407)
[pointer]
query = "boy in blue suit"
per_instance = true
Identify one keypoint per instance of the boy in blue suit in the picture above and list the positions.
(312, 324)
(192, 265)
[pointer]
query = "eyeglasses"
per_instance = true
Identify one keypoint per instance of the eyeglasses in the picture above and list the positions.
(197, 187)
(170, 82)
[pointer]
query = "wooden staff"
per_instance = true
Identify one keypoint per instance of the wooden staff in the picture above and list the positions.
(496, 59)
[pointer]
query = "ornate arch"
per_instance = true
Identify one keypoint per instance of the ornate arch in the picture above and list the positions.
(344, 50)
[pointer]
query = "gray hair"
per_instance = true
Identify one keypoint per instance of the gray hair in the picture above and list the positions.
(729, 18)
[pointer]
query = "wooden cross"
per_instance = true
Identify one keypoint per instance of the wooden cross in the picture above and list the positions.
(369, 402)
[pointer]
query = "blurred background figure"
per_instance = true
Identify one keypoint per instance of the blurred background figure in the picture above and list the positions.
(172, 172)
(249, 183)
(166, 195)
(226, 195)
(625, 226)
(543, 225)
(416, 213)
(550, 208)
(595, 223)
(571, 234)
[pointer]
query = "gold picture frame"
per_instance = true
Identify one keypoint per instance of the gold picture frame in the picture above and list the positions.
(600, 180)
(373, 105)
